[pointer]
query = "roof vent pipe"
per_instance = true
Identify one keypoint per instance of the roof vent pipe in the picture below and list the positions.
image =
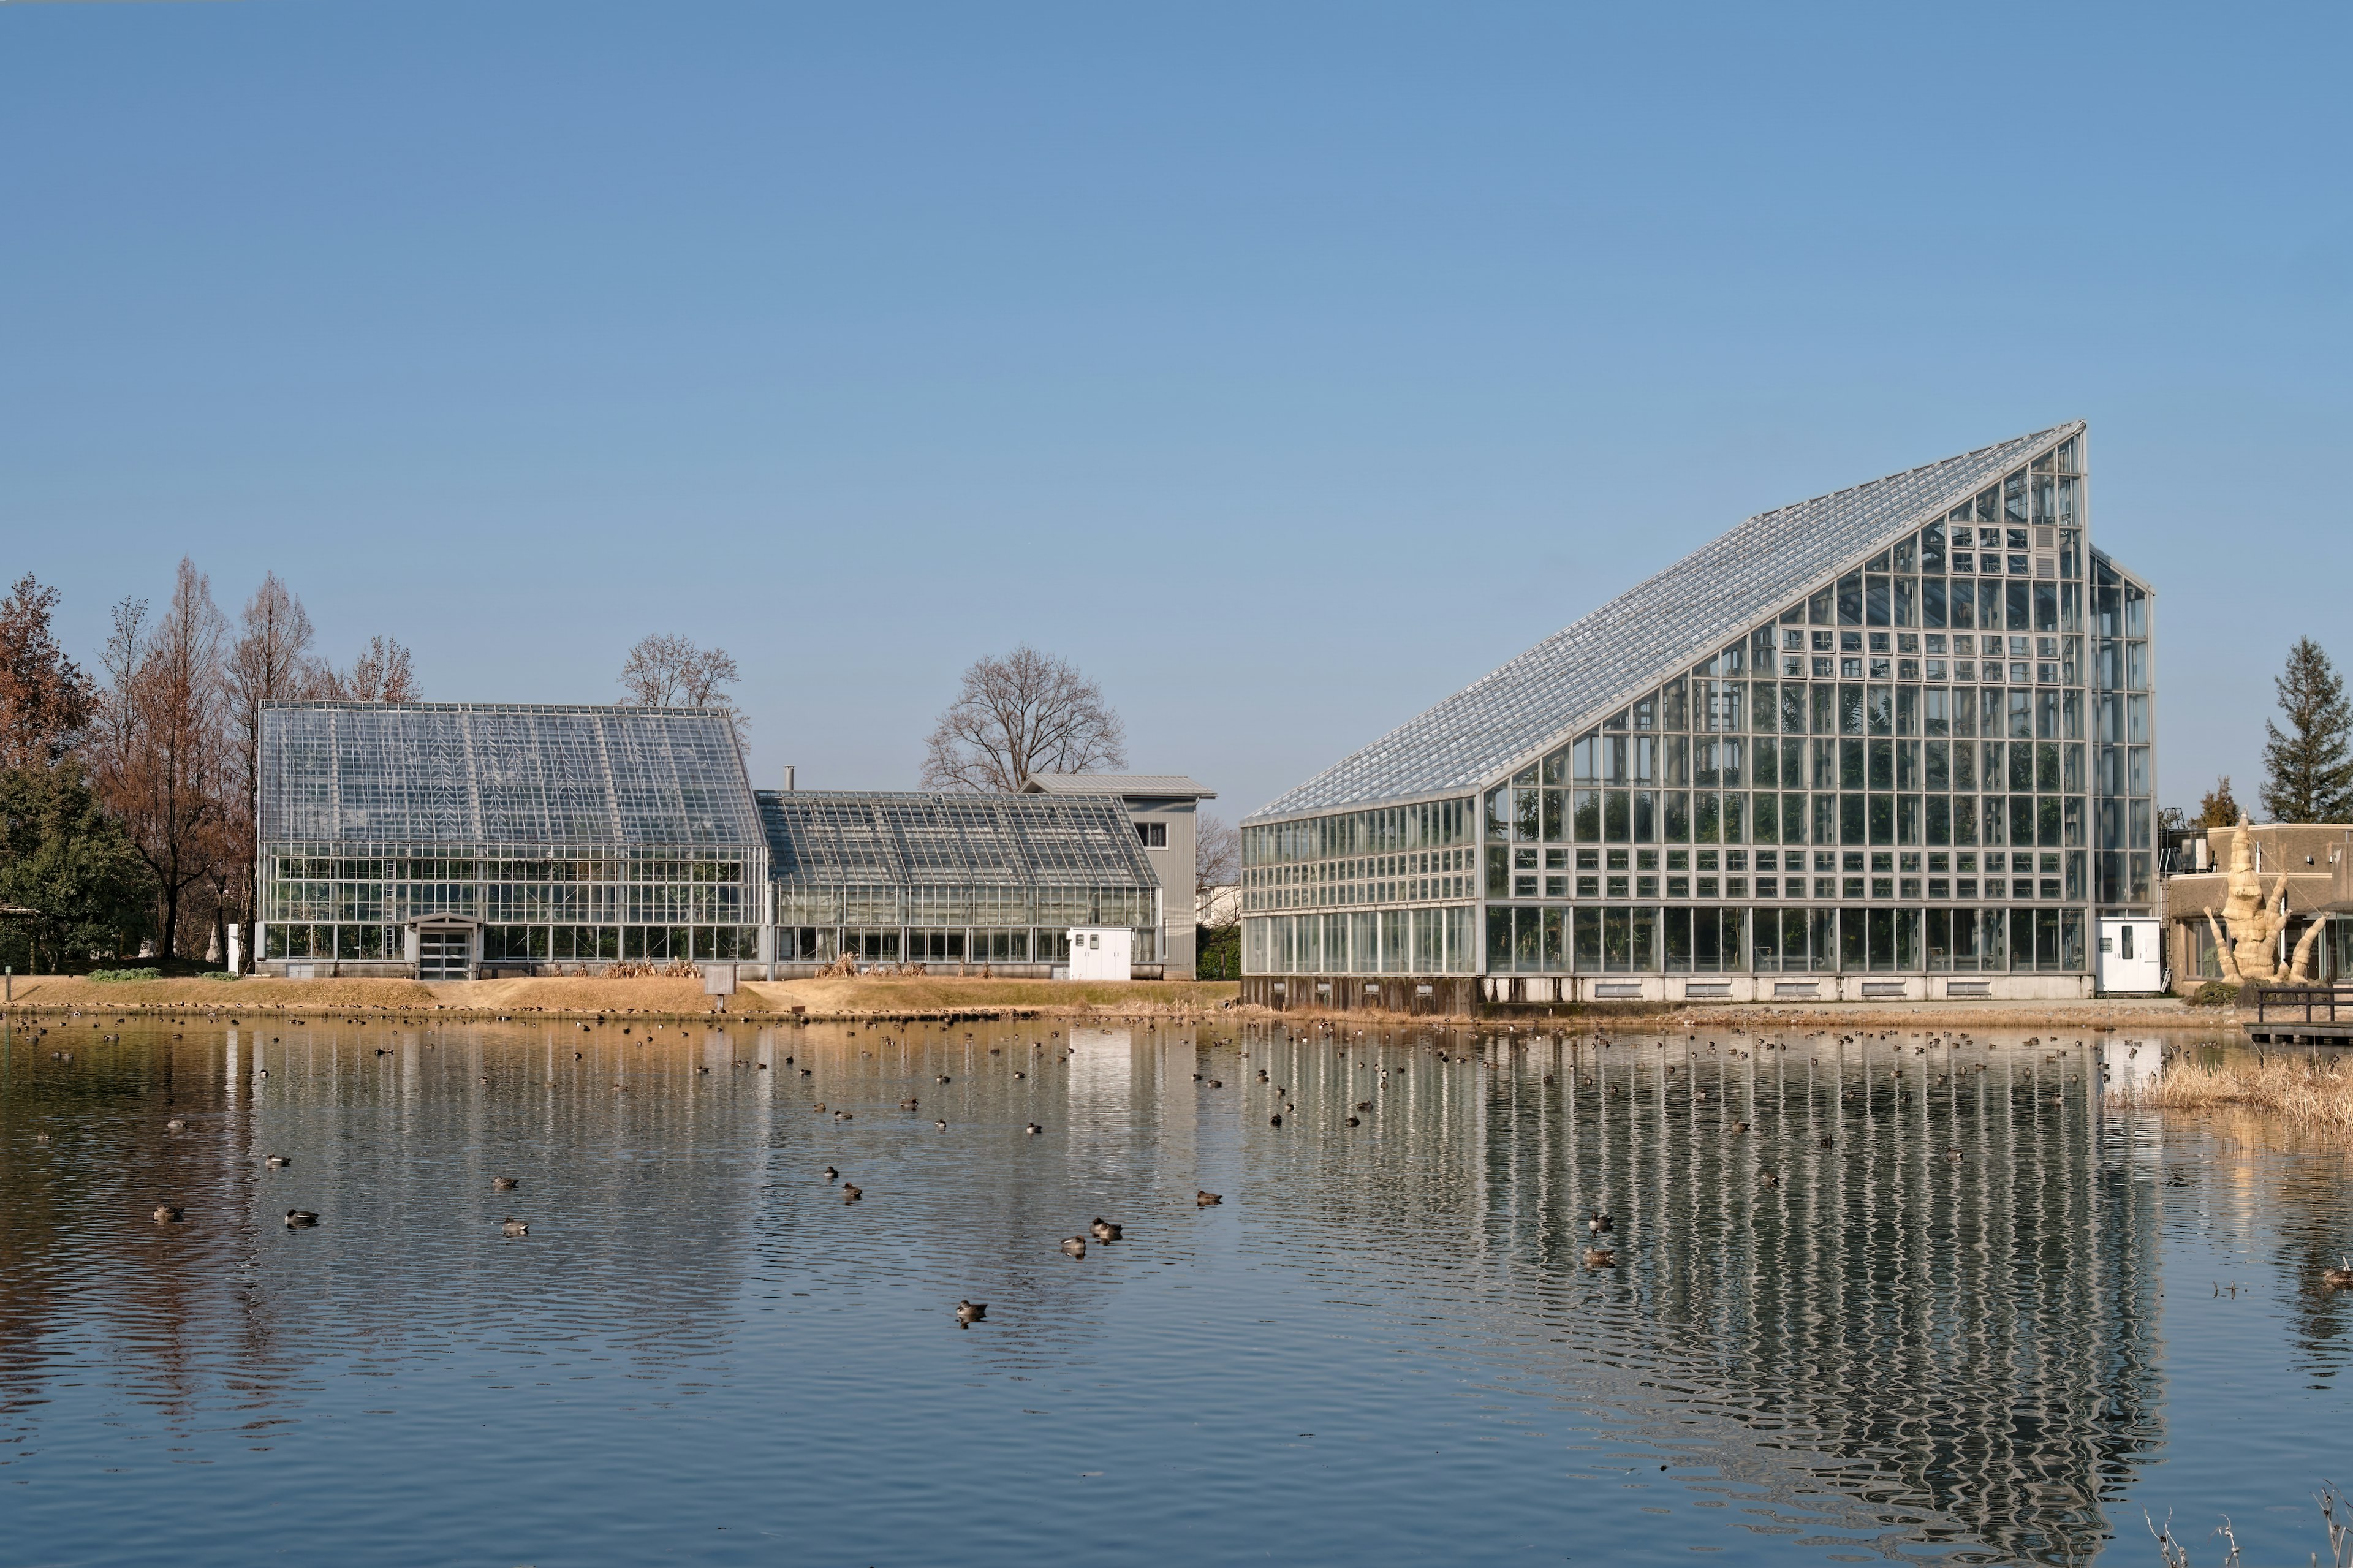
(788, 778)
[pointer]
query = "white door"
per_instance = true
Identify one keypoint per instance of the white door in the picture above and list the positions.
(2132, 956)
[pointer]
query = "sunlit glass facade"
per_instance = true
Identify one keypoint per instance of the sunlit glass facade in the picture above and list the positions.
(1907, 751)
(460, 835)
(449, 840)
(966, 879)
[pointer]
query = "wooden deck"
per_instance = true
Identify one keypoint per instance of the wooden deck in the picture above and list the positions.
(2300, 1015)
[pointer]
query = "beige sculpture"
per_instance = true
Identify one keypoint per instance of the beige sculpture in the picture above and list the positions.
(2249, 951)
(2299, 969)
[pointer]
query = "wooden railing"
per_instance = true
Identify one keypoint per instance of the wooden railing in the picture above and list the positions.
(2309, 1004)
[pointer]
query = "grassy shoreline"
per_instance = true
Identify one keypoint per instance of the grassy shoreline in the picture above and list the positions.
(862, 997)
(836, 998)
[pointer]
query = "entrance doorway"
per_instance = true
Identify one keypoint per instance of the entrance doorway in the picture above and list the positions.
(2132, 956)
(443, 955)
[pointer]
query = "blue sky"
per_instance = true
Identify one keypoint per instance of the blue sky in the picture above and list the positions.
(1285, 367)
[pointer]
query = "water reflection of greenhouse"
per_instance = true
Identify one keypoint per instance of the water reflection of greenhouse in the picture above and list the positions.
(1971, 1340)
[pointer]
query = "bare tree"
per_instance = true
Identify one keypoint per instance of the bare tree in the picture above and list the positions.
(44, 699)
(269, 661)
(1217, 902)
(1026, 713)
(666, 672)
(159, 740)
(382, 673)
(1217, 854)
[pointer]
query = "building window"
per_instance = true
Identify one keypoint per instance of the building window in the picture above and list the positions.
(1155, 834)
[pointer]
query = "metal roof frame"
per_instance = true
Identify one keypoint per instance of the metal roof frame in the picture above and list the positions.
(502, 774)
(1646, 635)
(912, 839)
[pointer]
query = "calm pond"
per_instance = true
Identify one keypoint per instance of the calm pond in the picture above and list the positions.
(1933, 1303)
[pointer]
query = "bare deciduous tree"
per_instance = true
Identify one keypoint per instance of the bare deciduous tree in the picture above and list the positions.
(665, 671)
(1217, 856)
(1028, 713)
(44, 699)
(1217, 868)
(382, 673)
(270, 660)
(158, 742)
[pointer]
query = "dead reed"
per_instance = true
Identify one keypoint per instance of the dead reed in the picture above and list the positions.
(2313, 1094)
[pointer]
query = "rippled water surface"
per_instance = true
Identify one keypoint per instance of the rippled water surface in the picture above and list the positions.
(1934, 1302)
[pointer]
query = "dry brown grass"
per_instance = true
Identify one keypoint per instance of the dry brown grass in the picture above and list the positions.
(843, 995)
(2314, 1094)
(51, 992)
(863, 996)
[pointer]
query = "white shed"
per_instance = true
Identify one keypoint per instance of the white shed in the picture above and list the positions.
(1101, 952)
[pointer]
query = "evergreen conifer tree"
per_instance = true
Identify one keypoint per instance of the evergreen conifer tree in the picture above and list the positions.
(2218, 807)
(2311, 776)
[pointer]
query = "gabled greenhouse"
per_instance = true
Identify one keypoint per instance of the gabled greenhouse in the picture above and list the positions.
(1893, 741)
(954, 879)
(449, 840)
(434, 837)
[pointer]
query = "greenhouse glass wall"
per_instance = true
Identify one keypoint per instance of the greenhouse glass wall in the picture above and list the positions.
(447, 840)
(1893, 741)
(962, 880)
(438, 837)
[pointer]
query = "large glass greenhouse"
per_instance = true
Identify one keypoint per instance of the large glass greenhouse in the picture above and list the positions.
(446, 841)
(1894, 741)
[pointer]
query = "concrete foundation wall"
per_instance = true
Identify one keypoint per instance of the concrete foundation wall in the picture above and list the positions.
(1465, 995)
(1524, 990)
(1424, 994)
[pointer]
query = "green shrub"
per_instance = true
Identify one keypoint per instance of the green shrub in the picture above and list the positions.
(2215, 994)
(109, 975)
(217, 974)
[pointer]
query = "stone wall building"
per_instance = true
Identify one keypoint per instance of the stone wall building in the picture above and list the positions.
(2306, 876)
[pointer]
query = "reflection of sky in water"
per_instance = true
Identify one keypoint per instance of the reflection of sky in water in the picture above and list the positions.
(1102, 1068)
(1969, 1328)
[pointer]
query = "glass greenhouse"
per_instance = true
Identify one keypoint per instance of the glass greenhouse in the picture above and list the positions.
(452, 840)
(1892, 740)
(954, 878)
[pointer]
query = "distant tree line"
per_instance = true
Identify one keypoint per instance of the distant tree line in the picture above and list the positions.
(128, 796)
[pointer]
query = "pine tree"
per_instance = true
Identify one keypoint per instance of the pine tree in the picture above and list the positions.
(2311, 777)
(2218, 807)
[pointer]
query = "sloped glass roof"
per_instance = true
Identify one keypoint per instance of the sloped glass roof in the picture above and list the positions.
(833, 838)
(462, 773)
(1574, 677)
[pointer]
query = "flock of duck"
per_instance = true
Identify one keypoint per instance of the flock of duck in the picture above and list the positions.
(1601, 1254)
(1098, 1230)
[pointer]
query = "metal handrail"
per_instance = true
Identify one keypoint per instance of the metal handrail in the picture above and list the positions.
(2292, 998)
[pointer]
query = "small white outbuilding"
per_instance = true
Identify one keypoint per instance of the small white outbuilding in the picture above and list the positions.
(1101, 952)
